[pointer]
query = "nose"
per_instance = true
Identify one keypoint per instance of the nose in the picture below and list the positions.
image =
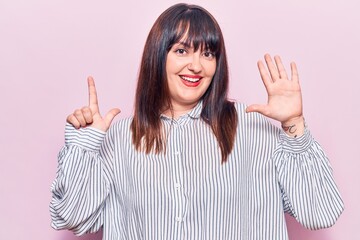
(195, 63)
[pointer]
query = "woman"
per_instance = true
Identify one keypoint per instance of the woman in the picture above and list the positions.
(191, 164)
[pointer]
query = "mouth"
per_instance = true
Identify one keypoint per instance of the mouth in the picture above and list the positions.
(191, 81)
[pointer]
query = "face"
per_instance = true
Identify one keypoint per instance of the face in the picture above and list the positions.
(189, 74)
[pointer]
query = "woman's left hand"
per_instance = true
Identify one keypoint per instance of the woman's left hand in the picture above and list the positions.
(284, 94)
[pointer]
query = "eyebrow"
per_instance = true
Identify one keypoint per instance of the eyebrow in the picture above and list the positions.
(186, 45)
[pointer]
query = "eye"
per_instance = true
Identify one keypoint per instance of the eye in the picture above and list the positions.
(180, 51)
(209, 55)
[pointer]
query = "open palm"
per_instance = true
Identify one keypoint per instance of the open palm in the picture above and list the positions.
(284, 94)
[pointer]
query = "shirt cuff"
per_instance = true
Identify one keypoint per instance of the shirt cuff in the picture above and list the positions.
(298, 144)
(88, 138)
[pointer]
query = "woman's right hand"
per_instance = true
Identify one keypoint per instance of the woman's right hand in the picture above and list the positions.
(90, 115)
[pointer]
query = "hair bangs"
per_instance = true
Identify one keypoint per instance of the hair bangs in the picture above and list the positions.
(196, 29)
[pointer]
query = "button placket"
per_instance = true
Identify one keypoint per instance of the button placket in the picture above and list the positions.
(178, 173)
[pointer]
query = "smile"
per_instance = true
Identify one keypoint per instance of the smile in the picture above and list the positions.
(191, 79)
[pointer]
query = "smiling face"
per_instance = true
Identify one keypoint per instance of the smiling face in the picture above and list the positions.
(189, 74)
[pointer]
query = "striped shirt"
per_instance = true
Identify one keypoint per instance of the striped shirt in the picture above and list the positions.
(186, 193)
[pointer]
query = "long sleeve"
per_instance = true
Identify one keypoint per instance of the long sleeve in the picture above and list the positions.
(305, 176)
(186, 193)
(83, 181)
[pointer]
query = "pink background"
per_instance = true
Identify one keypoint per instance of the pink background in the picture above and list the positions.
(48, 48)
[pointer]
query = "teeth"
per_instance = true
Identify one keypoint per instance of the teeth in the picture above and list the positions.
(190, 79)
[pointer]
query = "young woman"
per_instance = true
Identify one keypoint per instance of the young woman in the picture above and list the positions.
(190, 164)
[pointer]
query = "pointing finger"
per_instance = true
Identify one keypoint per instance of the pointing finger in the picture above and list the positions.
(93, 101)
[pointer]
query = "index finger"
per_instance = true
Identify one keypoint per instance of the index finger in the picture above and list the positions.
(93, 101)
(264, 74)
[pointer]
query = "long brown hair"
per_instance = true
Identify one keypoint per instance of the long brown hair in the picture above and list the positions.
(201, 30)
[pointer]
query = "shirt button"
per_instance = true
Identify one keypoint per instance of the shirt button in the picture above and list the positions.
(177, 185)
(177, 152)
(178, 219)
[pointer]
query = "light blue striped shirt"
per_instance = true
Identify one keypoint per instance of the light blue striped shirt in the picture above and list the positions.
(186, 193)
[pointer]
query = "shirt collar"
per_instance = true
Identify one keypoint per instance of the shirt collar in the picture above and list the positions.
(196, 111)
(193, 113)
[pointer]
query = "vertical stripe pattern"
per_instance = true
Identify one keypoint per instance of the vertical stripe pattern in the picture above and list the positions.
(186, 193)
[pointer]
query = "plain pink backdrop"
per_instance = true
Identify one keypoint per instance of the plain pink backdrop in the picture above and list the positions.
(48, 48)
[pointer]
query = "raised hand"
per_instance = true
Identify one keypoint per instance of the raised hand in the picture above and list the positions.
(284, 94)
(90, 115)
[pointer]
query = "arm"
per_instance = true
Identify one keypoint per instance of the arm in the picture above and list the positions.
(306, 181)
(83, 182)
(305, 175)
(84, 177)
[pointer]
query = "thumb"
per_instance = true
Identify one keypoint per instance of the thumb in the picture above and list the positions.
(109, 117)
(256, 108)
